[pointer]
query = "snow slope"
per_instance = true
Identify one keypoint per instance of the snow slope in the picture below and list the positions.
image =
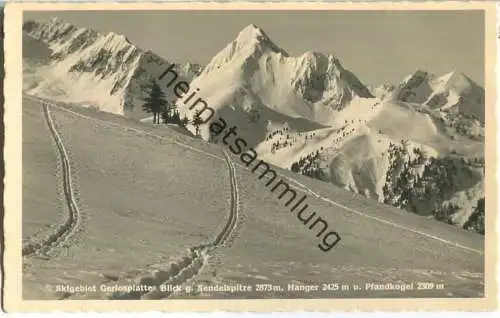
(147, 208)
(104, 71)
(40, 178)
(354, 152)
(133, 217)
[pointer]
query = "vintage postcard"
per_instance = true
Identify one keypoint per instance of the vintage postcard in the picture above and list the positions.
(250, 157)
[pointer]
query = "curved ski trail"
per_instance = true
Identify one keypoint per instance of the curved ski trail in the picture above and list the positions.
(73, 221)
(189, 266)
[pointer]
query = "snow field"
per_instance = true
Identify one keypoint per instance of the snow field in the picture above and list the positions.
(136, 218)
(42, 204)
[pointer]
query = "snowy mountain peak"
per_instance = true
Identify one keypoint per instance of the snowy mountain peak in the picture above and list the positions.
(451, 74)
(451, 80)
(56, 20)
(116, 41)
(317, 60)
(50, 31)
(251, 41)
(457, 81)
(251, 33)
(56, 23)
(65, 38)
(415, 79)
(253, 74)
(383, 89)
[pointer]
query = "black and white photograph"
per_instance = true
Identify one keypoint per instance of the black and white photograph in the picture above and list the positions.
(253, 154)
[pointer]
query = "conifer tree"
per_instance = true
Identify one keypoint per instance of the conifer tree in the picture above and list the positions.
(168, 116)
(165, 115)
(155, 102)
(196, 122)
(175, 119)
(184, 121)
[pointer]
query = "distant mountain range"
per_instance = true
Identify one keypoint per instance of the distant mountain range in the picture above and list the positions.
(81, 65)
(396, 143)
(453, 91)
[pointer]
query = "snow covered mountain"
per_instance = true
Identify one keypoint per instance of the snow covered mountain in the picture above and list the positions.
(72, 64)
(371, 148)
(453, 92)
(252, 74)
(380, 152)
(308, 113)
(364, 140)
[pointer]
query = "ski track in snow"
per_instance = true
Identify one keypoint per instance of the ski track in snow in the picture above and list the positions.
(297, 183)
(73, 222)
(189, 266)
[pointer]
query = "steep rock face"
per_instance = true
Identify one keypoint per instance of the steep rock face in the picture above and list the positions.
(320, 78)
(105, 71)
(415, 88)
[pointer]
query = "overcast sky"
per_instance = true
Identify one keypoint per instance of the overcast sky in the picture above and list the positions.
(376, 46)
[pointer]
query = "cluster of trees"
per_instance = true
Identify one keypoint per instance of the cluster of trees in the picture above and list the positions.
(477, 219)
(278, 144)
(374, 105)
(281, 132)
(309, 166)
(346, 132)
(308, 135)
(475, 161)
(405, 187)
(465, 125)
(284, 132)
(399, 181)
(352, 122)
(444, 211)
(343, 132)
(287, 143)
(416, 182)
(156, 103)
